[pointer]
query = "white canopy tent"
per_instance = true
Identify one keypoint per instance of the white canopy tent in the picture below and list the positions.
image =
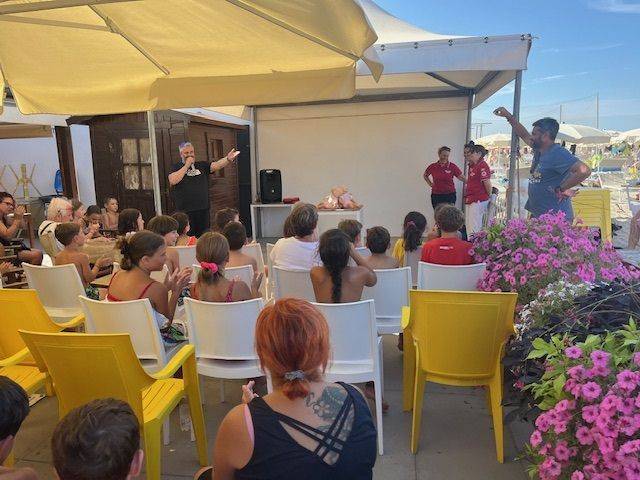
(379, 142)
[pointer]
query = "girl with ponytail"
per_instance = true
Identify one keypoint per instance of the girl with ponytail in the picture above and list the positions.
(336, 281)
(407, 249)
(263, 437)
(212, 254)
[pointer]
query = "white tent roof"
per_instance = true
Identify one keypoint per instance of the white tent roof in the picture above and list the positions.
(420, 62)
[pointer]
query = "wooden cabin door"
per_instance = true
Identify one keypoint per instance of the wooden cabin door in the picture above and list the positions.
(212, 143)
(122, 168)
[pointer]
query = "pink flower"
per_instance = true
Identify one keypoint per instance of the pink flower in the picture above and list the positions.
(605, 444)
(630, 447)
(591, 390)
(583, 434)
(550, 468)
(536, 438)
(590, 413)
(562, 451)
(600, 357)
(577, 475)
(573, 352)
(627, 380)
(542, 423)
(610, 402)
(636, 358)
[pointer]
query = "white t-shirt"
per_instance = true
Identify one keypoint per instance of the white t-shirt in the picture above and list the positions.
(294, 254)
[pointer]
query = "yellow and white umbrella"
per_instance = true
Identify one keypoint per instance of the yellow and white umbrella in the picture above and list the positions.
(85, 57)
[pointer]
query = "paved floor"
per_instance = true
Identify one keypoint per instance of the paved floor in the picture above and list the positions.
(456, 441)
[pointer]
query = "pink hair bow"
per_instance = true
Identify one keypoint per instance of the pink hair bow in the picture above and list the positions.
(212, 267)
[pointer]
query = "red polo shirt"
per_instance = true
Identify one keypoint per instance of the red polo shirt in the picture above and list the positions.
(447, 251)
(475, 190)
(442, 176)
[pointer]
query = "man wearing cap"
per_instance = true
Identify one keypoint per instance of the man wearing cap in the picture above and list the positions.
(190, 182)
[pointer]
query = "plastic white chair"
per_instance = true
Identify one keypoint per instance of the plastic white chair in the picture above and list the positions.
(58, 288)
(136, 318)
(412, 259)
(244, 273)
(461, 278)
(292, 283)
(356, 349)
(223, 336)
(186, 254)
(390, 294)
(254, 250)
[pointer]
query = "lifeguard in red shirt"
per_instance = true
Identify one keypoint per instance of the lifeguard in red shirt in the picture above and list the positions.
(477, 189)
(442, 173)
(448, 249)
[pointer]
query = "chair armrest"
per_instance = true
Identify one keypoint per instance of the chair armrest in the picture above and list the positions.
(15, 359)
(73, 323)
(406, 317)
(180, 357)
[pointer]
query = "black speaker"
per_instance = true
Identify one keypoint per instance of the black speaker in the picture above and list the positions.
(270, 186)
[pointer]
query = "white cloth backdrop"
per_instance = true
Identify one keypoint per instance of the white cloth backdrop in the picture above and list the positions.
(378, 149)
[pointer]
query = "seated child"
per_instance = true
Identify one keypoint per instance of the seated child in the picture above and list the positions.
(72, 238)
(212, 253)
(167, 228)
(378, 241)
(236, 235)
(184, 240)
(353, 229)
(99, 440)
(224, 216)
(14, 408)
(111, 216)
(92, 219)
(448, 249)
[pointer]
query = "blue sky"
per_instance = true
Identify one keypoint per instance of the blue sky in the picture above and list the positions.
(583, 47)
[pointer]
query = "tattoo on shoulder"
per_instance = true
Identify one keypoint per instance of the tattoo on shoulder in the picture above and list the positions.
(329, 403)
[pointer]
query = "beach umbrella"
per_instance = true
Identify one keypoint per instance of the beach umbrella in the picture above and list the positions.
(495, 140)
(84, 57)
(631, 136)
(582, 134)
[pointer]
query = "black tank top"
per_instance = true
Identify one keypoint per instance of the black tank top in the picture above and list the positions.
(277, 456)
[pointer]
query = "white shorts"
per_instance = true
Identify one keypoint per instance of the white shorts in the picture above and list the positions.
(474, 216)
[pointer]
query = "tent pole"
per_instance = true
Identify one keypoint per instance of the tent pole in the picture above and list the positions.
(153, 150)
(514, 146)
(467, 138)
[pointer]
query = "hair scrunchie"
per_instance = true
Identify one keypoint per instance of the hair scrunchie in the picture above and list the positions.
(294, 375)
(212, 267)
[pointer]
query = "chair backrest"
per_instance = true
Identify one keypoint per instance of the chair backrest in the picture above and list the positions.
(134, 317)
(292, 283)
(270, 267)
(223, 331)
(49, 243)
(244, 273)
(20, 309)
(186, 254)
(57, 287)
(460, 334)
(391, 292)
(254, 250)
(461, 278)
(593, 207)
(352, 329)
(86, 367)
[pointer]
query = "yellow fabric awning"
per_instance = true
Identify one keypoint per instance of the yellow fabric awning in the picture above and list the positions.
(82, 57)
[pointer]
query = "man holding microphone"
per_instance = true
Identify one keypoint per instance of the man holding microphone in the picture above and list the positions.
(190, 182)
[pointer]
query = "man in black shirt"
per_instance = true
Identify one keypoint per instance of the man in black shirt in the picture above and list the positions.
(190, 182)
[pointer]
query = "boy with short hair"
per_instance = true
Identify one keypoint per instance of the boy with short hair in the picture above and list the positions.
(236, 235)
(73, 238)
(98, 441)
(224, 216)
(378, 241)
(448, 249)
(167, 228)
(14, 408)
(353, 229)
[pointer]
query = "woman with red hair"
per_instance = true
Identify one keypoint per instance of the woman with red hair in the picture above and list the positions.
(306, 428)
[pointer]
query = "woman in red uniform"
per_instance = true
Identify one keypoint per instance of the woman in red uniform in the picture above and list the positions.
(441, 182)
(477, 190)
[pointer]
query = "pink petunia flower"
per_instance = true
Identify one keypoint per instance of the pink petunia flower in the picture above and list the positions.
(627, 380)
(573, 352)
(600, 357)
(591, 391)
(583, 434)
(590, 413)
(535, 439)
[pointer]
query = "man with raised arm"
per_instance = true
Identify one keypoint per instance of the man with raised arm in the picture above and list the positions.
(554, 170)
(190, 184)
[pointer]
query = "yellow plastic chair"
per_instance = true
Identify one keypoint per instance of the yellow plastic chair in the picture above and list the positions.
(86, 367)
(593, 207)
(456, 338)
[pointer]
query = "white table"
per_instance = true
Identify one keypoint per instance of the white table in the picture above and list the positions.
(267, 219)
